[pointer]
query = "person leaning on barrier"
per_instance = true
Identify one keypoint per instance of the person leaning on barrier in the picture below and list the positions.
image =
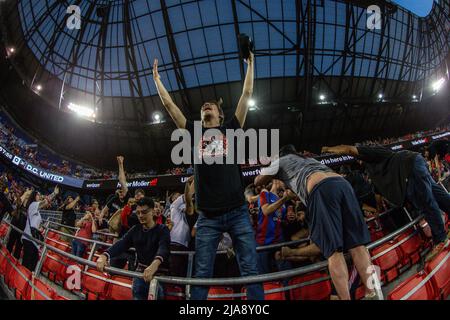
(334, 217)
(151, 242)
(404, 176)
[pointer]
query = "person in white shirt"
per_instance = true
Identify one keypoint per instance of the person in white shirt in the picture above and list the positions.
(180, 232)
(35, 203)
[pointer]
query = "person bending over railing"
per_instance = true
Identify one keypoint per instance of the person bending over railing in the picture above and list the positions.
(404, 176)
(334, 217)
(151, 242)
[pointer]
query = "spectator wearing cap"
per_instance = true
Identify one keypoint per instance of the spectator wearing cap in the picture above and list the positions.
(151, 242)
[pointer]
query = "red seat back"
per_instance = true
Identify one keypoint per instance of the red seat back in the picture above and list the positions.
(45, 293)
(21, 283)
(213, 291)
(440, 279)
(120, 291)
(389, 259)
(426, 292)
(94, 282)
(316, 290)
(172, 292)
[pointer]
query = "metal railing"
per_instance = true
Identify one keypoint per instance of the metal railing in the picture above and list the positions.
(187, 282)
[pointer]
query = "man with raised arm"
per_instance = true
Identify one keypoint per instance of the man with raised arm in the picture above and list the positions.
(404, 175)
(219, 191)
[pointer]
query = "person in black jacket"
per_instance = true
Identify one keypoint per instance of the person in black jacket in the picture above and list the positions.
(151, 242)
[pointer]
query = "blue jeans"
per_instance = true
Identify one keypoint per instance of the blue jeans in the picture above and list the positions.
(140, 290)
(428, 197)
(78, 248)
(209, 230)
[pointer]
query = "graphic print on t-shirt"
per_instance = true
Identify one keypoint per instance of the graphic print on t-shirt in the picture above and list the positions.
(212, 146)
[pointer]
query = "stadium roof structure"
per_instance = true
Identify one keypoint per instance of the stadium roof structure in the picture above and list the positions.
(322, 75)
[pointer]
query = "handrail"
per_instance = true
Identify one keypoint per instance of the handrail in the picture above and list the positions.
(261, 248)
(74, 228)
(258, 249)
(218, 281)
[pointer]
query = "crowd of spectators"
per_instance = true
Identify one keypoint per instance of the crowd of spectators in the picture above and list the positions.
(278, 216)
(21, 145)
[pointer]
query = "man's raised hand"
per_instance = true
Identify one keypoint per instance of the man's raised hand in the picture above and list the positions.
(155, 70)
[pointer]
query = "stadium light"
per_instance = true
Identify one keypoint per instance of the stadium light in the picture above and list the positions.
(380, 96)
(438, 85)
(414, 97)
(11, 50)
(157, 117)
(82, 111)
(322, 97)
(38, 87)
(251, 103)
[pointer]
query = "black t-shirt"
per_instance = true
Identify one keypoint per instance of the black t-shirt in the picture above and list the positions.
(218, 187)
(389, 170)
(68, 217)
(114, 203)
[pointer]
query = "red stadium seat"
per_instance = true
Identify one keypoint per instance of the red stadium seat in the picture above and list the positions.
(426, 292)
(54, 265)
(320, 290)
(43, 292)
(21, 282)
(375, 235)
(10, 272)
(120, 291)
(388, 262)
(94, 284)
(172, 292)
(441, 279)
(3, 261)
(63, 246)
(213, 291)
(410, 249)
(3, 230)
(269, 286)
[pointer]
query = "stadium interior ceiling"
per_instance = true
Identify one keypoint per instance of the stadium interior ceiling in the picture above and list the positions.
(322, 78)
